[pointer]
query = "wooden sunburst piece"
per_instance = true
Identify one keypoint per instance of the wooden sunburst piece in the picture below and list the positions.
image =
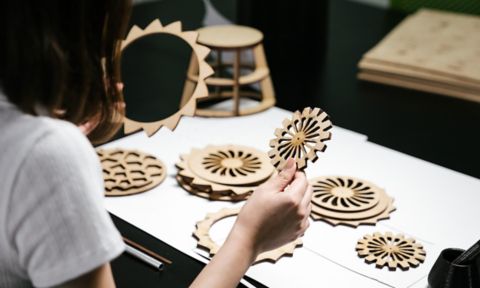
(391, 250)
(201, 90)
(226, 172)
(300, 138)
(128, 172)
(202, 234)
(349, 201)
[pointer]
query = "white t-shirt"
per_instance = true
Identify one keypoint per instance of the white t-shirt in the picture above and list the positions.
(53, 226)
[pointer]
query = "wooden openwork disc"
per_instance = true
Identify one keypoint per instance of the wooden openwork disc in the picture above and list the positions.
(199, 184)
(356, 208)
(300, 138)
(202, 234)
(128, 172)
(208, 194)
(231, 165)
(391, 250)
(344, 194)
(201, 91)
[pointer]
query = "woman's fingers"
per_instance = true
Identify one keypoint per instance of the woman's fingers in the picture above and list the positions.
(279, 182)
(298, 187)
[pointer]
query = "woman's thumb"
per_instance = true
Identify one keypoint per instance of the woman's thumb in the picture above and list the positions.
(285, 176)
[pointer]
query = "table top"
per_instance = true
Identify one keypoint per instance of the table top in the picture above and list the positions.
(427, 126)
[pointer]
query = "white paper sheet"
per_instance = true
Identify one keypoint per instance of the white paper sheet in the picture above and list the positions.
(423, 193)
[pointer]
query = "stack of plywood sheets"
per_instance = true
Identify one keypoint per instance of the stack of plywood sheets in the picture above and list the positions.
(432, 51)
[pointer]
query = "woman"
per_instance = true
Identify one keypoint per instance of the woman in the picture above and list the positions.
(53, 228)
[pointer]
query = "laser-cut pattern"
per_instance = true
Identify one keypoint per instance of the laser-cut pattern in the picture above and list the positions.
(349, 201)
(301, 138)
(391, 250)
(128, 172)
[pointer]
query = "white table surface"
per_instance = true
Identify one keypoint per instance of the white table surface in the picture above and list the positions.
(434, 204)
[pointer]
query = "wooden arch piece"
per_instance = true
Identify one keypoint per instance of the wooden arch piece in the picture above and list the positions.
(201, 90)
(128, 172)
(202, 234)
(300, 138)
(391, 250)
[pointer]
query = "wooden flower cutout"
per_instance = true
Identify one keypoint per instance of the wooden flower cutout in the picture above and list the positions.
(301, 138)
(201, 91)
(392, 250)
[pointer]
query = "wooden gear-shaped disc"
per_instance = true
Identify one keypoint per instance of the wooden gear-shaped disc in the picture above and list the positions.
(231, 165)
(206, 242)
(201, 90)
(392, 250)
(349, 201)
(208, 194)
(201, 185)
(300, 138)
(128, 172)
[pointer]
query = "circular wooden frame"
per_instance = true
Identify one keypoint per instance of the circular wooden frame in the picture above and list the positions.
(392, 250)
(202, 234)
(230, 165)
(300, 138)
(201, 90)
(128, 172)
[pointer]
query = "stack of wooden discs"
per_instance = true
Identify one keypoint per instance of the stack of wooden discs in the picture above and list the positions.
(349, 201)
(228, 173)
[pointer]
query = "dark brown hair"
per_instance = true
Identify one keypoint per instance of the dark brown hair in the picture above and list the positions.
(51, 55)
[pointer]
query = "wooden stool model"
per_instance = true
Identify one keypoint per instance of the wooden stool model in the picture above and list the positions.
(236, 39)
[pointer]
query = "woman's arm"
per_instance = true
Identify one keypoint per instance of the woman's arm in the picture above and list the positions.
(276, 213)
(272, 217)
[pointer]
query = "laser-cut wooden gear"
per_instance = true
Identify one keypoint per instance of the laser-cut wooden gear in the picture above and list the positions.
(349, 201)
(201, 90)
(230, 164)
(128, 172)
(202, 234)
(199, 184)
(300, 138)
(208, 194)
(390, 250)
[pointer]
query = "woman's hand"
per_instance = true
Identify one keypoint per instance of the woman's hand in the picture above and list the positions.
(276, 213)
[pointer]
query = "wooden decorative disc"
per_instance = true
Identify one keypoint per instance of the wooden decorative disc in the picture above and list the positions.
(301, 138)
(200, 184)
(128, 172)
(362, 203)
(230, 164)
(202, 234)
(344, 194)
(201, 90)
(392, 250)
(207, 194)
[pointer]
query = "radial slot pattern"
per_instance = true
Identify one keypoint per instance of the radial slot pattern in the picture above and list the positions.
(301, 138)
(392, 250)
(230, 165)
(202, 234)
(127, 172)
(349, 201)
(202, 172)
(201, 91)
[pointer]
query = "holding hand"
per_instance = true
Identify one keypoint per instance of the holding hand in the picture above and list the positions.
(276, 213)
